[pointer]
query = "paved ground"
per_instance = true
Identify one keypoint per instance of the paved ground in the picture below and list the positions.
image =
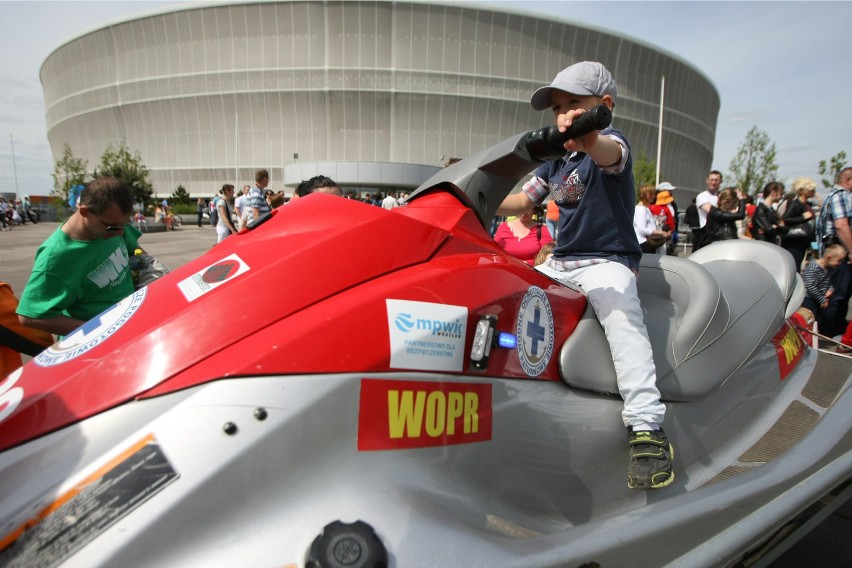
(175, 248)
(827, 546)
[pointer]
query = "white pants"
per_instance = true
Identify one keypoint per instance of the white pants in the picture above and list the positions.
(611, 290)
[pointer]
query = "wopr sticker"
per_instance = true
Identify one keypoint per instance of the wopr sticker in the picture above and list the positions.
(93, 332)
(396, 415)
(535, 332)
(789, 349)
(212, 277)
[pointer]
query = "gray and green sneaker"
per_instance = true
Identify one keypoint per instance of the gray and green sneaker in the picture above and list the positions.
(651, 459)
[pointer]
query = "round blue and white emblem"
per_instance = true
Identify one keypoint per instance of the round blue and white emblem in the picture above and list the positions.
(93, 332)
(535, 332)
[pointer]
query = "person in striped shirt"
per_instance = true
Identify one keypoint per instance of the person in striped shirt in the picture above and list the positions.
(821, 298)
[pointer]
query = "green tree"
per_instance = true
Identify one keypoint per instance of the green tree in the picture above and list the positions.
(127, 167)
(644, 170)
(180, 196)
(67, 171)
(754, 165)
(832, 168)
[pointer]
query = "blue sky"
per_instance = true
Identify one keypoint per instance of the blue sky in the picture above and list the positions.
(780, 66)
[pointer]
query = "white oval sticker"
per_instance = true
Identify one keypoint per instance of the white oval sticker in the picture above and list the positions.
(535, 332)
(93, 332)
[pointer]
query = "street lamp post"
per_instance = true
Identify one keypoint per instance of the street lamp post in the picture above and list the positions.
(14, 165)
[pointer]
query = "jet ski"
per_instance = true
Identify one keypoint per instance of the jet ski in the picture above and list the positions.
(343, 385)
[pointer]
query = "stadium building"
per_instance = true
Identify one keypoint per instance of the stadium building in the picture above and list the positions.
(376, 94)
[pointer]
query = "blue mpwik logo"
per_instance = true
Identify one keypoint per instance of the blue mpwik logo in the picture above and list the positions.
(441, 328)
(404, 322)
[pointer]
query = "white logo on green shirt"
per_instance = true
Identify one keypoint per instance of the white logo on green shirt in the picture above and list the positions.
(112, 270)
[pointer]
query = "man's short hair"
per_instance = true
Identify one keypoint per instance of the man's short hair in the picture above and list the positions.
(103, 192)
(277, 200)
(845, 173)
(317, 182)
(261, 175)
(717, 172)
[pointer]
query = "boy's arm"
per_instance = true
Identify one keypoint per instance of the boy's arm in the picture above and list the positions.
(515, 204)
(604, 150)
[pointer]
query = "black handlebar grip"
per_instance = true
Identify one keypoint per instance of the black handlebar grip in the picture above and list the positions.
(597, 118)
(548, 143)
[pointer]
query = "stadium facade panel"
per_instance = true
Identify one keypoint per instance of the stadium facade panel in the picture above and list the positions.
(209, 93)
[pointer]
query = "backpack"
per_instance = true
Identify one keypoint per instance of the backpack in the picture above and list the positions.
(691, 216)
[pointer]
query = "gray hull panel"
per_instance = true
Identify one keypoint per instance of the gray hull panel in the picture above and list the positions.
(547, 489)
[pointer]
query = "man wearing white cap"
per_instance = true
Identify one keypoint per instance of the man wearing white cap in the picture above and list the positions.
(597, 250)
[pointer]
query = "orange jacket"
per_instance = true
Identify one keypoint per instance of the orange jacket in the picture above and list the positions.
(552, 211)
(14, 337)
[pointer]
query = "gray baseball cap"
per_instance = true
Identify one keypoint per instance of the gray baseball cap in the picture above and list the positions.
(584, 78)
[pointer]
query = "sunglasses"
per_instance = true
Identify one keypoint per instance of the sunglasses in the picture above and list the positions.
(107, 228)
(112, 228)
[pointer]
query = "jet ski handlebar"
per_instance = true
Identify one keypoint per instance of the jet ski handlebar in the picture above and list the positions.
(548, 143)
(483, 180)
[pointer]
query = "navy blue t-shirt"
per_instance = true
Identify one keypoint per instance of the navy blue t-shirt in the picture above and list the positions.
(596, 208)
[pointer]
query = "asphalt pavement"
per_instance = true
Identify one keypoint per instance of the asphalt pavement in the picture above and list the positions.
(174, 248)
(827, 546)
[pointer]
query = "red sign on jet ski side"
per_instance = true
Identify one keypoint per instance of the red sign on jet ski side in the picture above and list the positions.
(396, 415)
(789, 347)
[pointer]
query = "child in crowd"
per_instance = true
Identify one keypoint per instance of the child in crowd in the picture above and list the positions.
(545, 253)
(139, 219)
(819, 289)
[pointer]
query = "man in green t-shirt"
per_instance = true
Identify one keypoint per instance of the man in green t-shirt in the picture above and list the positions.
(82, 268)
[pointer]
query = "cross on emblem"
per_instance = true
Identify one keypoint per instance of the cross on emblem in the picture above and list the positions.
(535, 331)
(91, 325)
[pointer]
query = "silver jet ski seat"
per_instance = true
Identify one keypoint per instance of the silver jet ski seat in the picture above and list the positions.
(705, 316)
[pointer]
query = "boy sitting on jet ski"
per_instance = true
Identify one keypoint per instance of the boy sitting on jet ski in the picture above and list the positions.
(597, 250)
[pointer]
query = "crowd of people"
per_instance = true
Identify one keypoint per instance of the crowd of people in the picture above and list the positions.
(816, 234)
(16, 212)
(230, 213)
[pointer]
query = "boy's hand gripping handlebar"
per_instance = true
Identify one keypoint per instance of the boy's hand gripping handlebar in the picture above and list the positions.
(548, 143)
